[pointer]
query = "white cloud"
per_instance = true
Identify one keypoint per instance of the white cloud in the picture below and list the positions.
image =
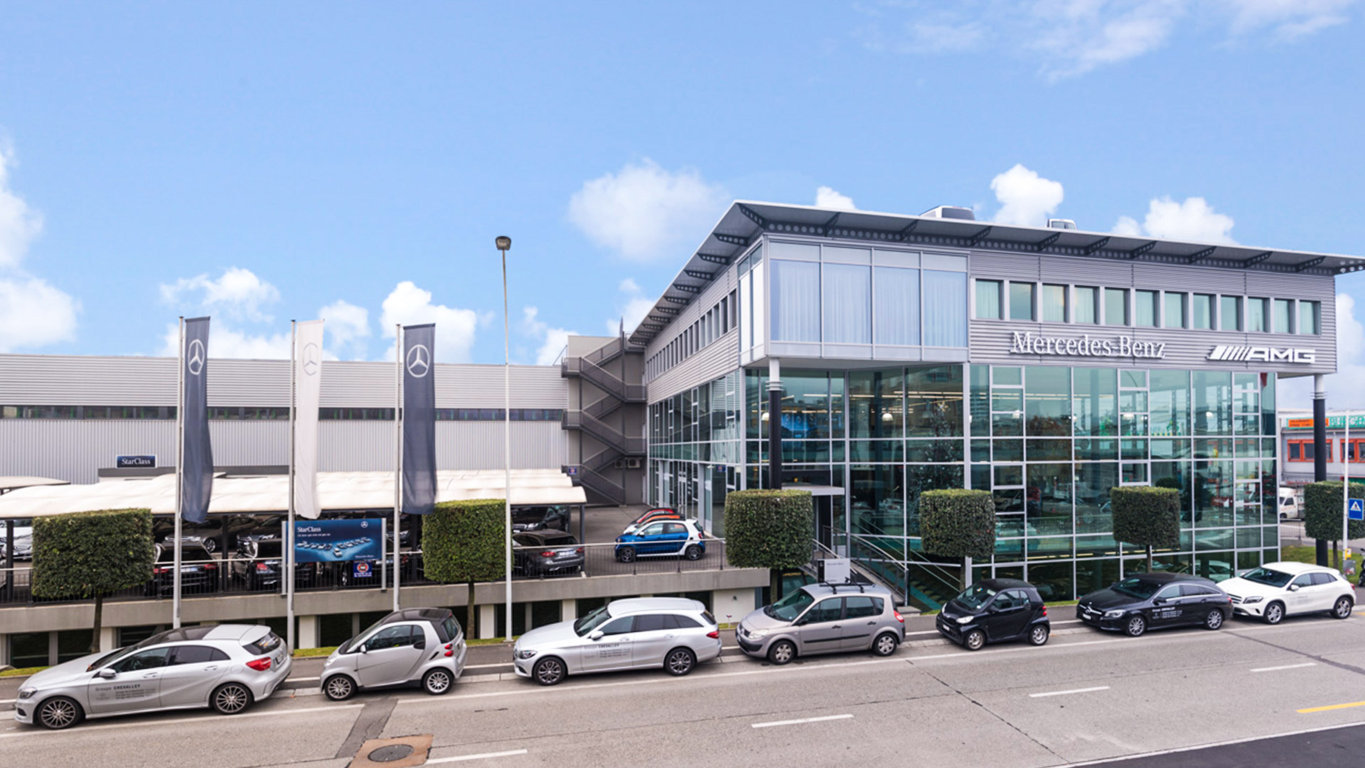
(826, 197)
(643, 210)
(552, 340)
(1287, 20)
(1194, 220)
(1026, 199)
(34, 314)
(1343, 387)
(19, 224)
(348, 326)
(226, 342)
(629, 314)
(239, 293)
(1077, 36)
(455, 328)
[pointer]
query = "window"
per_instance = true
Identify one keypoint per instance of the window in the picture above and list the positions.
(945, 308)
(1308, 317)
(847, 305)
(1302, 450)
(1256, 315)
(1175, 310)
(988, 299)
(1021, 301)
(619, 626)
(1053, 303)
(896, 305)
(1086, 300)
(152, 659)
(1230, 313)
(196, 654)
(858, 606)
(1201, 311)
(826, 610)
(1322, 578)
(1282, 316)
(651, 623)
(1144, 309)
(796, 295)
(391, 637)
(1115, 306)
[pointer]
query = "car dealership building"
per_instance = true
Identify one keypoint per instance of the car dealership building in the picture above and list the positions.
(865, 357)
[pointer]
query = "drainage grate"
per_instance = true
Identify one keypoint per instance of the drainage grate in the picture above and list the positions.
(390, 753)
(398, 752)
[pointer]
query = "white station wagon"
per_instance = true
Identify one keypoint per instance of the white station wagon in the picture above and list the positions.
(1276, 590)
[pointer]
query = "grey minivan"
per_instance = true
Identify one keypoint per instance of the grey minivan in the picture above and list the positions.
(414, 645)
(823, 618)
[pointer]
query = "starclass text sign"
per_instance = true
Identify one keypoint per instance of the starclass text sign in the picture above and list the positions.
(1085, 345)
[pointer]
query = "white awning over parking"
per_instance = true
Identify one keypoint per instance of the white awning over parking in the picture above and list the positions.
(270, 493)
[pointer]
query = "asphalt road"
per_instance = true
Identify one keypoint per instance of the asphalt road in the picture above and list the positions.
(1084, 697)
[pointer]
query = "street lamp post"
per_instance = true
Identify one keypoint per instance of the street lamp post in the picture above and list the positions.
(504, 243)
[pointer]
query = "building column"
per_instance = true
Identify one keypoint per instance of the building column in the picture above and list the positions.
(108, 639)
(4, 650)
(568, 609)
(1319, 447)
(488, 621)
(309, 632)
(775, 424)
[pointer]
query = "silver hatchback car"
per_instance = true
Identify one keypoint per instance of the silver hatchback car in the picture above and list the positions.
(414, 645)
(224, 666)
(637, 633)
(823, 618)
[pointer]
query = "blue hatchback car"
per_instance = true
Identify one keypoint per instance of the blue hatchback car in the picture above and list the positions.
(662, 538)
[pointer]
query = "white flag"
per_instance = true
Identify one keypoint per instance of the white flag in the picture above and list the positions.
(307, 397)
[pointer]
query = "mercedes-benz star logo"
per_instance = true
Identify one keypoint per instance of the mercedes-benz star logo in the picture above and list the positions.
(194, 361)
(419, 361)
(312, 358)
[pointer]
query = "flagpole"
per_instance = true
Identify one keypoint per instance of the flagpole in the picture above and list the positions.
(289, 530)
(1345, 494)
(179, 471)
(397, 453)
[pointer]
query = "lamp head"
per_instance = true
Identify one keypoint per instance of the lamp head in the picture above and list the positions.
(503, 242)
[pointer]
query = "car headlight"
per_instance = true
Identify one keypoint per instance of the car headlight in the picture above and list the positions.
(1252, 599)
(27, 693)
(525, 654)
(756, 634)
(1113, 614)
(964, 619)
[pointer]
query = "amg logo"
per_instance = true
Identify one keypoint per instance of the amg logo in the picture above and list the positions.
(1263, 354)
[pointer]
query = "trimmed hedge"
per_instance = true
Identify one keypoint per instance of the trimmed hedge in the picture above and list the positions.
(1322, 511)
(463, 541)
(92, 554)
(957, 523)
(1146, 517)
(769, 529)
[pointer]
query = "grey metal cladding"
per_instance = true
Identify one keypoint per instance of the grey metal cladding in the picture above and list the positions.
(711, 362)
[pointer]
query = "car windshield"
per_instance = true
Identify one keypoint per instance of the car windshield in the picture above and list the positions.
(975, 596)
(108, 657)
(791, 606)
(1135, 587)
(590, 622)
(1267, 577)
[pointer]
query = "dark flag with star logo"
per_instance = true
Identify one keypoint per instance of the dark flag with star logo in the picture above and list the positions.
(196, 456)
(419, 419)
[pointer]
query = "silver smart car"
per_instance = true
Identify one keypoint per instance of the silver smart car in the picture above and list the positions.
(638, 633)
(414, 645)
(224, 666)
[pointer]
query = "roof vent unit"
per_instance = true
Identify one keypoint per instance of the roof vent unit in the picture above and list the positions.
(950, 212)
(1061, 224)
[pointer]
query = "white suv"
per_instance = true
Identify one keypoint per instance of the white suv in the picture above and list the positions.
(1275, 590)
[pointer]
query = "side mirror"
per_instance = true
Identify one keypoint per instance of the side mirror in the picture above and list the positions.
(364, 647)
(106, 674)
(1293, 587)
(596, 634)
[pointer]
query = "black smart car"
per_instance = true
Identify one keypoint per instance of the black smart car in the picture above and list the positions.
(993, 611)
(1146, 601)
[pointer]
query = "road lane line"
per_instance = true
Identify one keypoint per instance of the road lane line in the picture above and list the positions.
(484, 756)
(1064, 693)
(1330, 707)
(1287, 666)
(801, 721)
(206, 718)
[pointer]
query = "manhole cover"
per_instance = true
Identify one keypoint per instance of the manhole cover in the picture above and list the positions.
(390, 753)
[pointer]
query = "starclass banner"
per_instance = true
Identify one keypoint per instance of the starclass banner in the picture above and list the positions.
(331, 541)
(307, 398)
(419, 419)
(196, 474)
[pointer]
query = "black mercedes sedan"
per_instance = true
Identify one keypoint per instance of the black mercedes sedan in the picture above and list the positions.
(1146, 601)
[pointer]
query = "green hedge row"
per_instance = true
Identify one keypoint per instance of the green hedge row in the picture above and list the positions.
(463, 541)
(957, 523)
(769, 529)
(92, 554)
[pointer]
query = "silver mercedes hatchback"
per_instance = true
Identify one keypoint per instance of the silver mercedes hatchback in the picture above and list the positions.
(224, 666)
(414, 645)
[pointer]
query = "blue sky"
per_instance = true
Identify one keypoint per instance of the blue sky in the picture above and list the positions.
(260, 162)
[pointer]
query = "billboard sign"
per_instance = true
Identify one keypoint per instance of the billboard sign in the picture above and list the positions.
(135, 462)
(336, 541)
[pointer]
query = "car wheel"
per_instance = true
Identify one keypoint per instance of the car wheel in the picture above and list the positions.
(210, 545)
(680, 661)
(973, 640)
(1038, 634)
(1342, 608)
(1274, 613)
(1136, 625)
(437, 681)
(339, 688)
(692, 553)
(59, 712)
(1214, 620)
(548, 671)
(230, 699)
(626, 554)
(781, 652)
(885, 644)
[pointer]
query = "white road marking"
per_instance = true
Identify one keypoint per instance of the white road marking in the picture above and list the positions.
(484, 756)
(1064, 693)
(1287, 666)
(137, 723)
(799, 722)
(1230, 742)
(304, 679)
